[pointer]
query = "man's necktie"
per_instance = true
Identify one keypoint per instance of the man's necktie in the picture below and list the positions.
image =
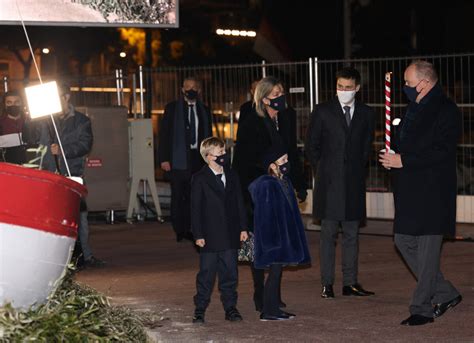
(192, 124)
(347, 114)
(219, 180)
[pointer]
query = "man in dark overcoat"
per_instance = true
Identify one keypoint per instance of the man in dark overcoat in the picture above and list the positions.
(185, 124)
(424, 175)
(338, 145)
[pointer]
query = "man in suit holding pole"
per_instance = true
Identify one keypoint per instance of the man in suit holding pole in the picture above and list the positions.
(424, 175)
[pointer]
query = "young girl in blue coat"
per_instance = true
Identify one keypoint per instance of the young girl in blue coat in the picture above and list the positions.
(279, 234)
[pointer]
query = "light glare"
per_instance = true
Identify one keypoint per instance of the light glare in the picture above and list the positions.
(43, 99)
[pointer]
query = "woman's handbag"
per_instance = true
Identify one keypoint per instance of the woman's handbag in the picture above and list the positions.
(245, 253)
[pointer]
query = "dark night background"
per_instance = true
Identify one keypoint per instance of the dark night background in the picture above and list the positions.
(298, 29)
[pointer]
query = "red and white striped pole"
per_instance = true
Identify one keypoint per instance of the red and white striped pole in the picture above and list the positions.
(388, 106)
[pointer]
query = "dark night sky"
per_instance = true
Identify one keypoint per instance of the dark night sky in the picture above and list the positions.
(382, 28)
(379, 28)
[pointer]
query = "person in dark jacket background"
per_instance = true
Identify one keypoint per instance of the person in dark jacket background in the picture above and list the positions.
(185, 124)
(248, 107)
(272, 123)
(424, 176)
(338, 145)
(14, 121)
(219, 224)
(75, 131)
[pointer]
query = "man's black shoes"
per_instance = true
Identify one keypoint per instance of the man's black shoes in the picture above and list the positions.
(440, 309)
(198, 316)
(416, 319)
(327, 292)
(233, 315)
(356, 290)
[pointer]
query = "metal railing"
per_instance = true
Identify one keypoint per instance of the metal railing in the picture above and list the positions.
(307, 83)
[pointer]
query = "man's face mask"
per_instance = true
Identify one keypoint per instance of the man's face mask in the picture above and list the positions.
(278, 103)
(346, 97)
(411, 92)
(13, 110)
(191, 94)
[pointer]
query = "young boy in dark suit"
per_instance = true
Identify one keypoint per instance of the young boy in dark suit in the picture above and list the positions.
(218, 223)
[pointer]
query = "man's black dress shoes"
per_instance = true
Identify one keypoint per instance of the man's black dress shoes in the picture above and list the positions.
(356, 290)
(233, 315)
(416, 319)
(327, 292)
(439, 309)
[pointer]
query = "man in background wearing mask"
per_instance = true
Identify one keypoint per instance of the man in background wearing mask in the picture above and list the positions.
(338, 145)
(185, 124)
(12, 122)
(424, 170)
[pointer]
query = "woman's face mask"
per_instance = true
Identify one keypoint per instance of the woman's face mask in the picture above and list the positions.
(278, 103)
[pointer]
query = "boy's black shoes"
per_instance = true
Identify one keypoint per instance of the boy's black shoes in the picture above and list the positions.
(233, 315)
(198, 316)
(440, 309)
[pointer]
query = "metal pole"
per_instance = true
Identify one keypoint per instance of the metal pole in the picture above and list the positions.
(316, 81)
(142, 110)
(264, 71)
(5, 83)
(311, 99)
(122, 97)
(134, 95)
(117, 86)
(231, 114)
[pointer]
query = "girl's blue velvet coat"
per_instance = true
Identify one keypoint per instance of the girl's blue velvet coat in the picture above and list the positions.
(278, 229)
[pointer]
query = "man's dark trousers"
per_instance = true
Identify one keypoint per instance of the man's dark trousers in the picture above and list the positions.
(350, 251)
(223, 264)
(422, 255)
(181, 194)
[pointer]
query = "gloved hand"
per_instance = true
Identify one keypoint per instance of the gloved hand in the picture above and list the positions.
(302, 194)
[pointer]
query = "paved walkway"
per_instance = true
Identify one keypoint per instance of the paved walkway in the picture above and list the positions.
(147, 269)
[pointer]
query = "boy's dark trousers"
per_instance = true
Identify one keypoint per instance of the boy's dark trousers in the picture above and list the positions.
(223, 263)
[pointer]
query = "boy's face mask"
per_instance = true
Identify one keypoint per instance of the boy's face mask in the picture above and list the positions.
(223, 160)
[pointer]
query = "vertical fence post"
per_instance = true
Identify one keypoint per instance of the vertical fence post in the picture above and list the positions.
(316, 81)
(117, 86)
(5, 83)
(264, 71)
(142, 111)
(134, 95)
(122, 97)
(311, 98)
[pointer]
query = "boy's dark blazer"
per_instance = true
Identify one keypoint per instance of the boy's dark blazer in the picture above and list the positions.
(217, 214)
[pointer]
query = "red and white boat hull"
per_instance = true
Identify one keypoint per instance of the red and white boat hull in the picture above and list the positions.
(39, 214)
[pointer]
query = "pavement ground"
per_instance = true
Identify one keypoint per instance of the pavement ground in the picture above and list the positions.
(148, 270)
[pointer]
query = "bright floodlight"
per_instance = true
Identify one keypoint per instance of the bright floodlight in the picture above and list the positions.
(43, 99)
